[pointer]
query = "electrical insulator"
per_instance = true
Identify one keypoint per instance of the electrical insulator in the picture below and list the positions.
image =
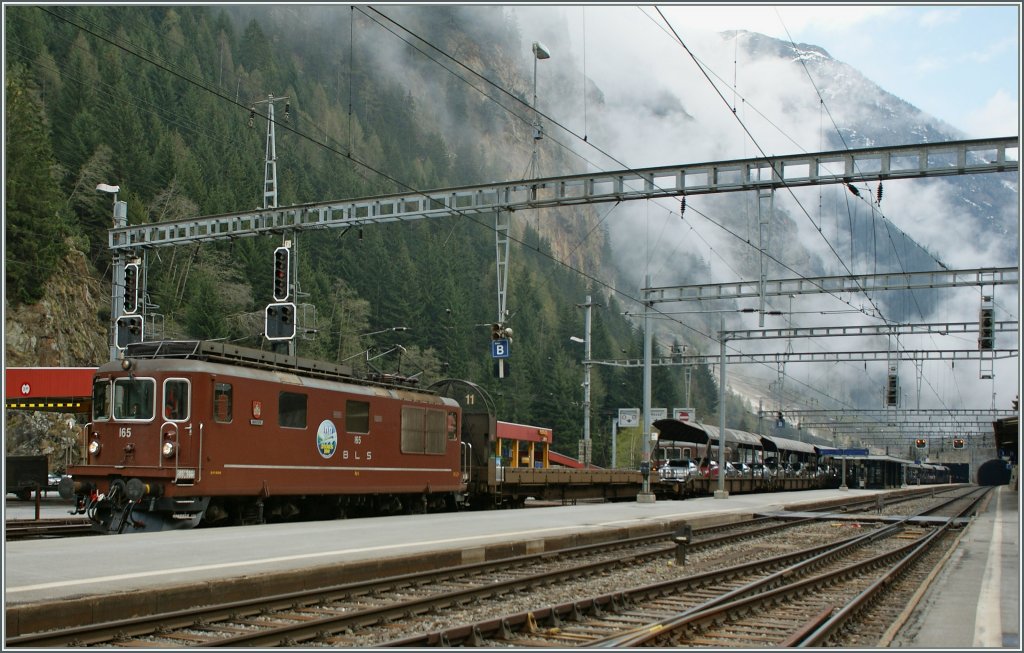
(131, 288)
(853, 189)
(282, 273)
(878, 196)
(252, 116)
(682, 205)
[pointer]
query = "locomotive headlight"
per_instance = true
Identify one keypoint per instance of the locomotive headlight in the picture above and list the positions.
(168, 449)
(94, 447)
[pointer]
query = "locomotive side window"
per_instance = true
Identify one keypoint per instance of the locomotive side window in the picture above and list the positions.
(176, 399)
(133, 398)
(357, 416)
(101, 399)
(423, 431)
(291, 410)
(222, 402)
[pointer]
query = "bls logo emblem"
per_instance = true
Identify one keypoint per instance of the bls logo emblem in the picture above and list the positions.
(257, 409)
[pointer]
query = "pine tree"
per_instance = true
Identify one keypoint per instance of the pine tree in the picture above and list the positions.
(36, 224)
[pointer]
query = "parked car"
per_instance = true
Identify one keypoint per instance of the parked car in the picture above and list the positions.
(708, 469)
(677, 470)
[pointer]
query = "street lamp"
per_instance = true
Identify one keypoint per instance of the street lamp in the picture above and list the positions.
(585, 341)
(539, 52)
(117, 268)
(585, 452)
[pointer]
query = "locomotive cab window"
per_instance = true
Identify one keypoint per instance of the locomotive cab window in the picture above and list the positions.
(291, 410)
(101, 399)
(357, 416)
(176, 399)
(222, 400)
(133, 398)
(453, 432)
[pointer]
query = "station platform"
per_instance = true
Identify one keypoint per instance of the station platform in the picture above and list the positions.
(104, 576)
(974, 600)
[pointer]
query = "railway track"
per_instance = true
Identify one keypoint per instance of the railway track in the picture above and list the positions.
(26, 529)
(514, 602)
(367, 608)
(821, 600)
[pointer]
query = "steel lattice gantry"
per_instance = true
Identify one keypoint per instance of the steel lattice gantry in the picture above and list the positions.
(852, 283)
(818, 357)
(842, 166)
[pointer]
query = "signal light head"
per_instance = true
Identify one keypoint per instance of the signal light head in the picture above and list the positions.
(282, 274)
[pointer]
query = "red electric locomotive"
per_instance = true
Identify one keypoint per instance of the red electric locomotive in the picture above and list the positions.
(191, 432)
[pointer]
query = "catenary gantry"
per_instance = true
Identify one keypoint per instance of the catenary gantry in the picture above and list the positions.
(841, 166)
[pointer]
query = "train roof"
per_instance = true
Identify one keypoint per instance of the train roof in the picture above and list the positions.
(698, 433)
(229, 354)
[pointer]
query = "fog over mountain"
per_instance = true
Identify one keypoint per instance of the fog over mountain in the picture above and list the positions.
(651, 104)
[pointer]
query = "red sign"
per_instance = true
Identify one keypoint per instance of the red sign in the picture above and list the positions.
(51, 382)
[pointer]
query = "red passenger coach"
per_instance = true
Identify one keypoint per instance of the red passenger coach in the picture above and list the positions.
(189, 433)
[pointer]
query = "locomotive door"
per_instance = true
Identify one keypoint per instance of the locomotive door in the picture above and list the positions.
(180, 438)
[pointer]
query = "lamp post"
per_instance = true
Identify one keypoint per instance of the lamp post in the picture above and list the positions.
(586, 378)
(585, 451)
(118, 265)
(539, 52)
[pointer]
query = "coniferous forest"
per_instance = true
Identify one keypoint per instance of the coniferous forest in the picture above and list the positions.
(158, 101)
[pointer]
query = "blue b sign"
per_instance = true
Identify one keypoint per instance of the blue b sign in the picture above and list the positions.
(499, 348)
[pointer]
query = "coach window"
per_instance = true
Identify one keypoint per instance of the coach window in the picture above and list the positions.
(291, 410)
(357, 416)
(101, 399)
(176, 399)
(133, 398)
(222, 400)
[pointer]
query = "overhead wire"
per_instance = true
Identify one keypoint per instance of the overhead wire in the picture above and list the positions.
(384, 175)
(879, 193)
(349, 155)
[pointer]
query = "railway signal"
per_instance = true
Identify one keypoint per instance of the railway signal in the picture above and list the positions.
(921, 443)
(986, 328)
(131, 288)
(892, 390)
(129, 330)
(282, 274)
(280, 321)
(958, 443)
